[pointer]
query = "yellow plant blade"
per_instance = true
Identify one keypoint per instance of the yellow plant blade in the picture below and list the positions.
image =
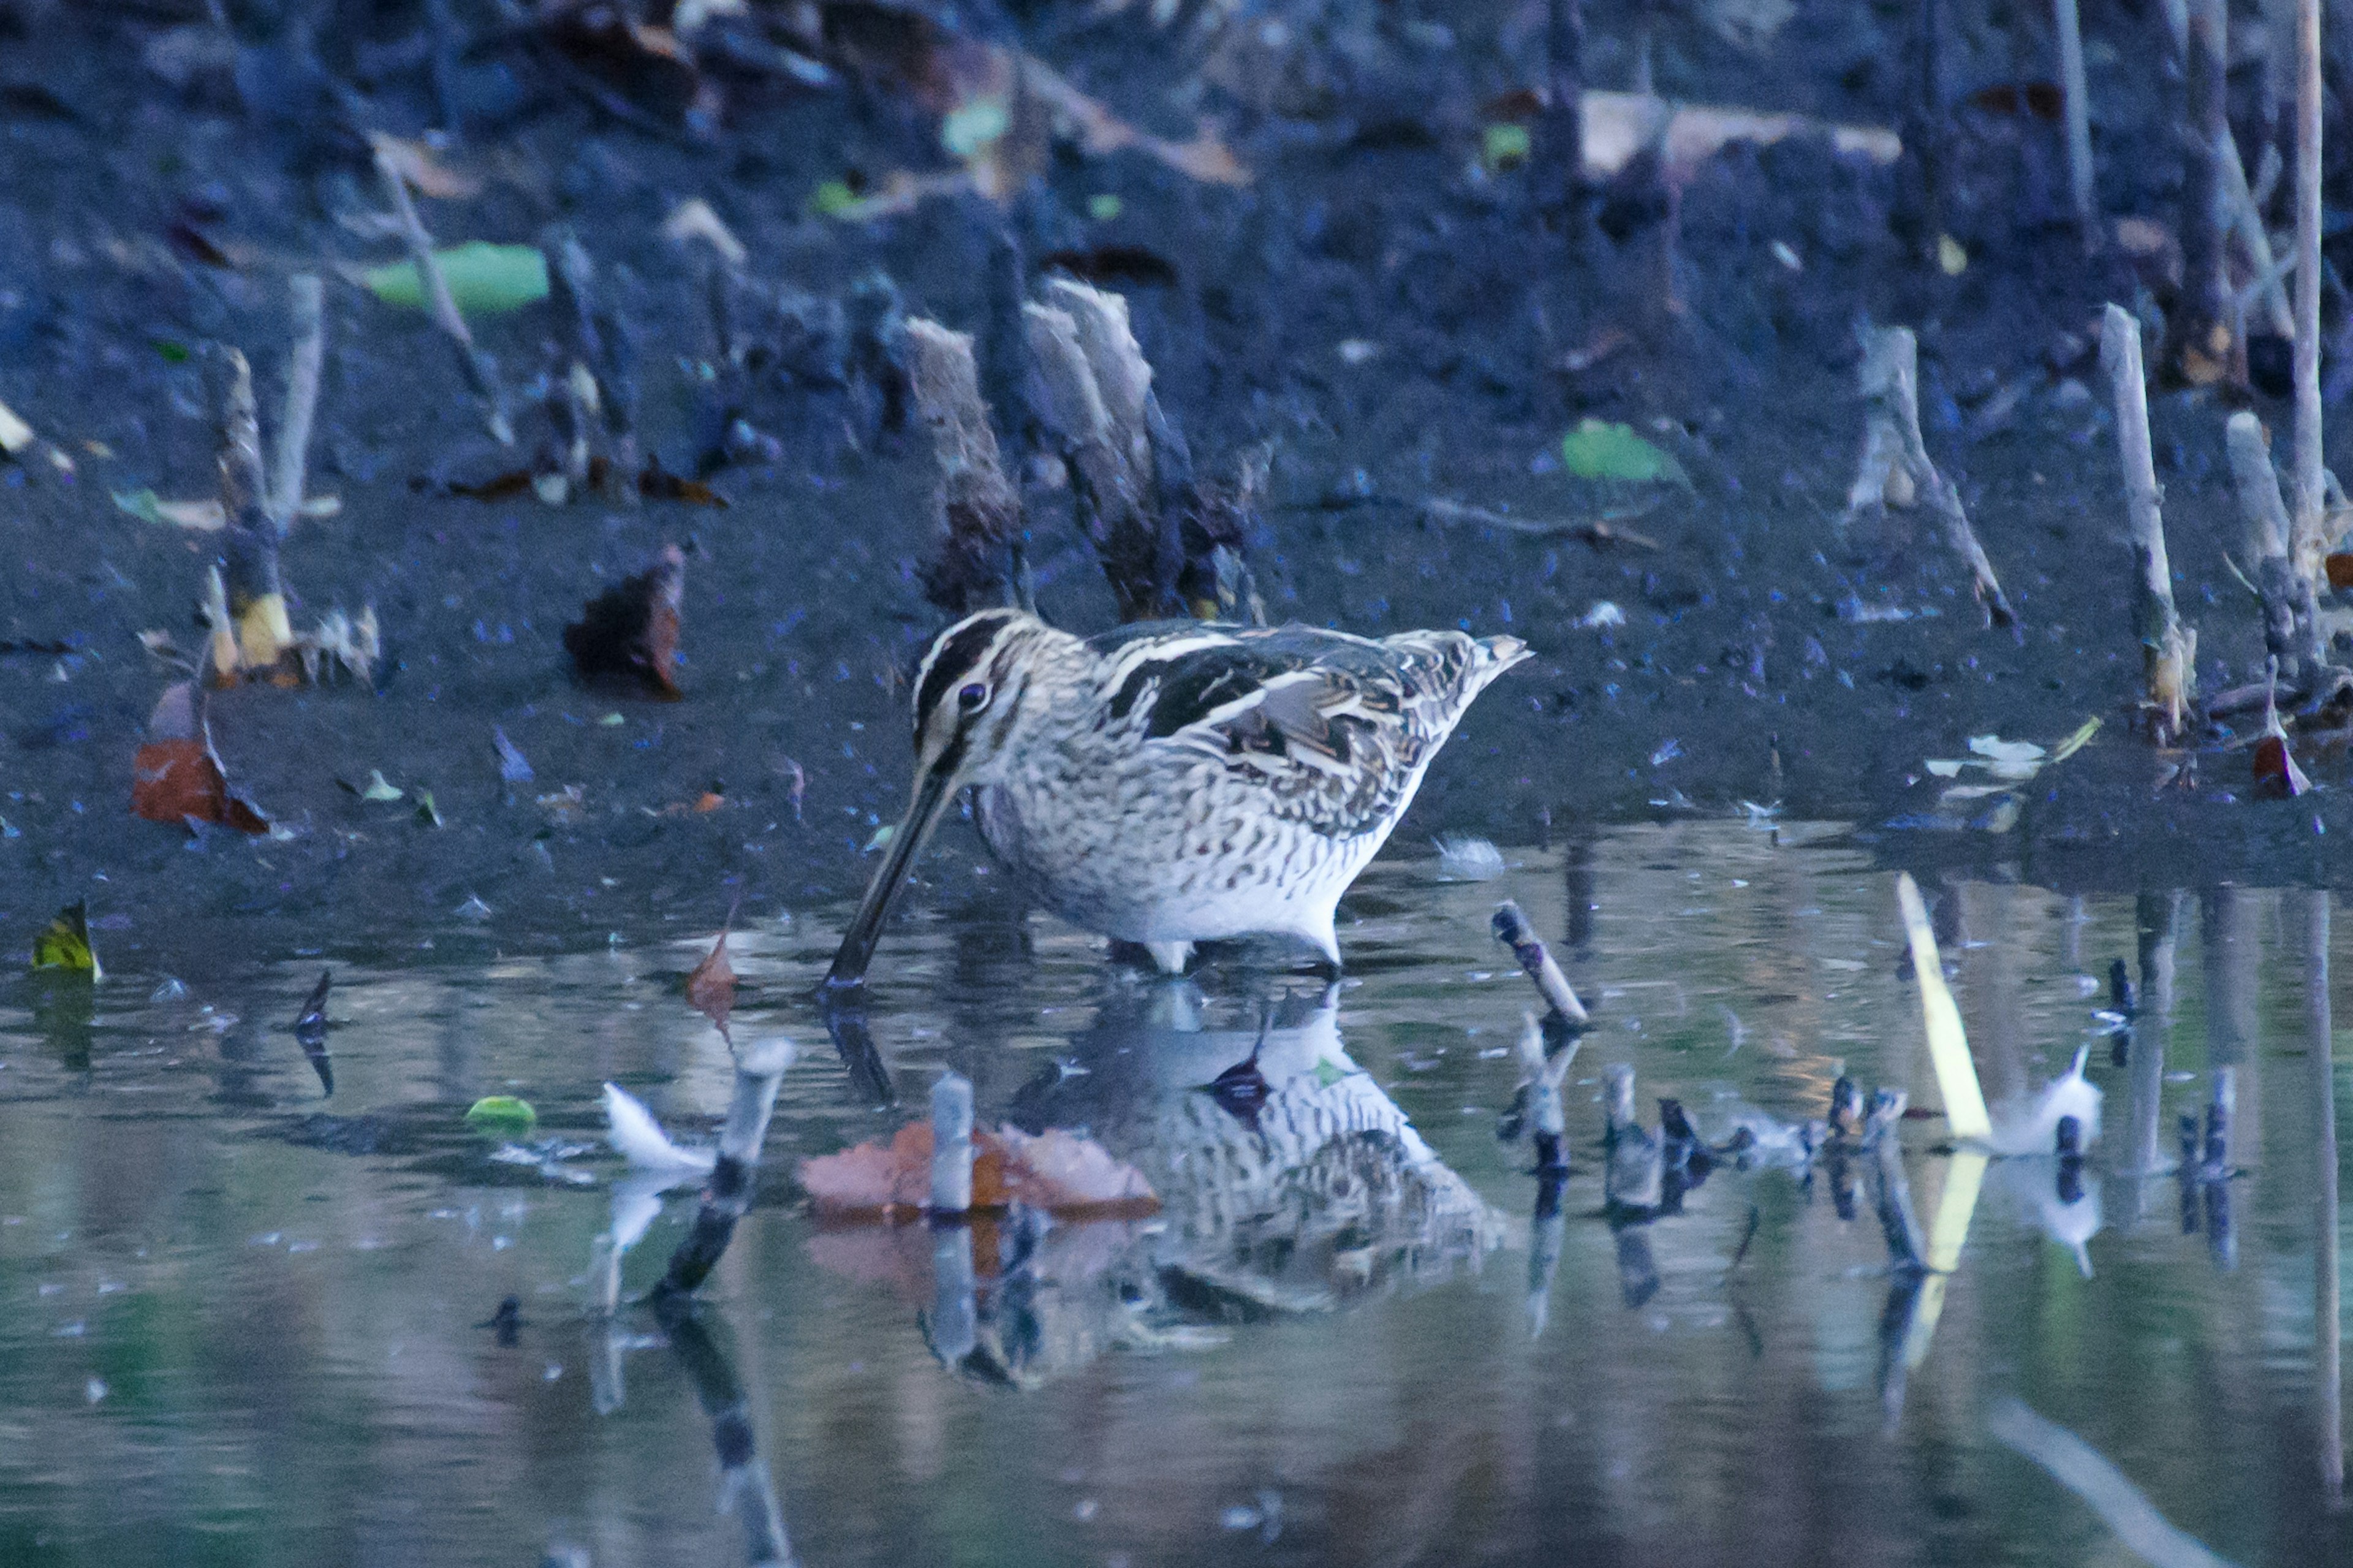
(2075, 742)
(1955, 1207)
(1949, 1046)
(65, 943)
(262, 630)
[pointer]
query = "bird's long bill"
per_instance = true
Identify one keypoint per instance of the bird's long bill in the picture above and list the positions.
(866, 927)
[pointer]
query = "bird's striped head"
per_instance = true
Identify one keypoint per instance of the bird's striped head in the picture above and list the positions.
(969, 691)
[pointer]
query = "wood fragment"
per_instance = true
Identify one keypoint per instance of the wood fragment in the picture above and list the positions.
(980, 511)
(2307, 542)
(2167, 649)
(2200, 351)
(1512, 928)
(1891, 390)
(2075, 108)
(306, 300)
(2290, 631)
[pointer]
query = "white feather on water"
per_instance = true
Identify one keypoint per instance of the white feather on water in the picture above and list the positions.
(1462, 859)
(639, 1137)
(2032, 1127)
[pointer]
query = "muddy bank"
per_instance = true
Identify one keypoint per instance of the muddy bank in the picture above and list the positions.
(1754, 629)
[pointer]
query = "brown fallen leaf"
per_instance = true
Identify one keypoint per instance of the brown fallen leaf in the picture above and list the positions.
(630, 631)
(1060, 1172)
(2277, 776)
(2341, 569)
(711, 988)
(177, 777)
(658, 483)
(2037, 99)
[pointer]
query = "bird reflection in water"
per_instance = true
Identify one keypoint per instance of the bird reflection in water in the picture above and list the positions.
(1289, 1183)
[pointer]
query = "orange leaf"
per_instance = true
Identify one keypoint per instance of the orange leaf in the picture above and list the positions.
(632, 630)
(1063, 1173)
(2277, 777)
(176, 777)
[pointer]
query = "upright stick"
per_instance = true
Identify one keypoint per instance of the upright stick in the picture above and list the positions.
(308, 300)
(2165, 647)
(2328, 1371)
(479, 370)
(2078, 112)
(2309, 546)
(2200, 351)
(1563, 153)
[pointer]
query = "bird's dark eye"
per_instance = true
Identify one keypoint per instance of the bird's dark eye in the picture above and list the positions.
(972, 698)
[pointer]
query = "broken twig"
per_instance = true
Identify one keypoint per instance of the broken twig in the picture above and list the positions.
(307, 300)
(1892, 444)
(2167, 647)
(482, 371)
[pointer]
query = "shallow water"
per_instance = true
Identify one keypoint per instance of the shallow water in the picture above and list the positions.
(248, 1324)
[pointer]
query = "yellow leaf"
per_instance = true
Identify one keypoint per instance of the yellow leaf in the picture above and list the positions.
(66, 943)
(1948, 1043)
(1951, 256)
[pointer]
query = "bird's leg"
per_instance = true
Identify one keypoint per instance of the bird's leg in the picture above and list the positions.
(1169, 956)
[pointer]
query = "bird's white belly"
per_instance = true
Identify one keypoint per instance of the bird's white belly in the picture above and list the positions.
(1173, 868)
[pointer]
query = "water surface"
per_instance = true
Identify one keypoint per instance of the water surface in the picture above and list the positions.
(250, 1324)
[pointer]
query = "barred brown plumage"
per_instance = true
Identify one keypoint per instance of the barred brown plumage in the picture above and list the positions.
(1175, 781)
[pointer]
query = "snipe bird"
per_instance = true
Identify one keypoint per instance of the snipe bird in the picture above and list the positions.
(1173, 782)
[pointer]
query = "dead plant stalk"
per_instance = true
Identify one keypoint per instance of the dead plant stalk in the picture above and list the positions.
(2167, 647)
(2307, 545)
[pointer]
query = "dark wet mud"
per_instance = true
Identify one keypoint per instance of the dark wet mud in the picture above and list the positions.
(1763, 655)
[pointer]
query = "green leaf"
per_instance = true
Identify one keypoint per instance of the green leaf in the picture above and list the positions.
(1104, 206)
(66, 943)
(484, 278)
(501, 1114)
(1598, 449)
(172, 353)
(142, 504)
(833, 199)
(379, 787)
(1328, 1073)
(2076, 741)
(1504, 145)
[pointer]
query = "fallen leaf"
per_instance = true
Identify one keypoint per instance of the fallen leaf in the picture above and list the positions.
(514, 766)
(630, 631)
(15, 436)
(1598, 449)
(176, 776)
(206, 516)
(2341, 569)
(2076, 741)
(484, 278)
(378, 787)
(1503, 146)
(711, 988)
(501, 1115)
(64, 944)
(498, 487)
(1617, 125)
(426, 812)
(1130, 264)
(2040, 100)
(2277, 776)
(423, 171)
(1952, 258)
(694, 219)
(658, 484)
(1060, 1172)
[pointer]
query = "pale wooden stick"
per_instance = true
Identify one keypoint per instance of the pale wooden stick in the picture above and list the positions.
(2165, 648)
(1892, 368)
(2248, 219)
(2306, 544)
(302, 369)
(481, 373)
(2077, 109)
(2289, 633)
(979, 509)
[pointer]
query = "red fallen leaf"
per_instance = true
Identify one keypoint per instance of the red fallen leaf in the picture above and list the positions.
(2037, 99)
(658, 483)
(2277, 777)
(1061, 1173)
(498, 487)
(176, 776)
(1519, 106)
(2341, 569)
(711, 988)
(630, 631)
